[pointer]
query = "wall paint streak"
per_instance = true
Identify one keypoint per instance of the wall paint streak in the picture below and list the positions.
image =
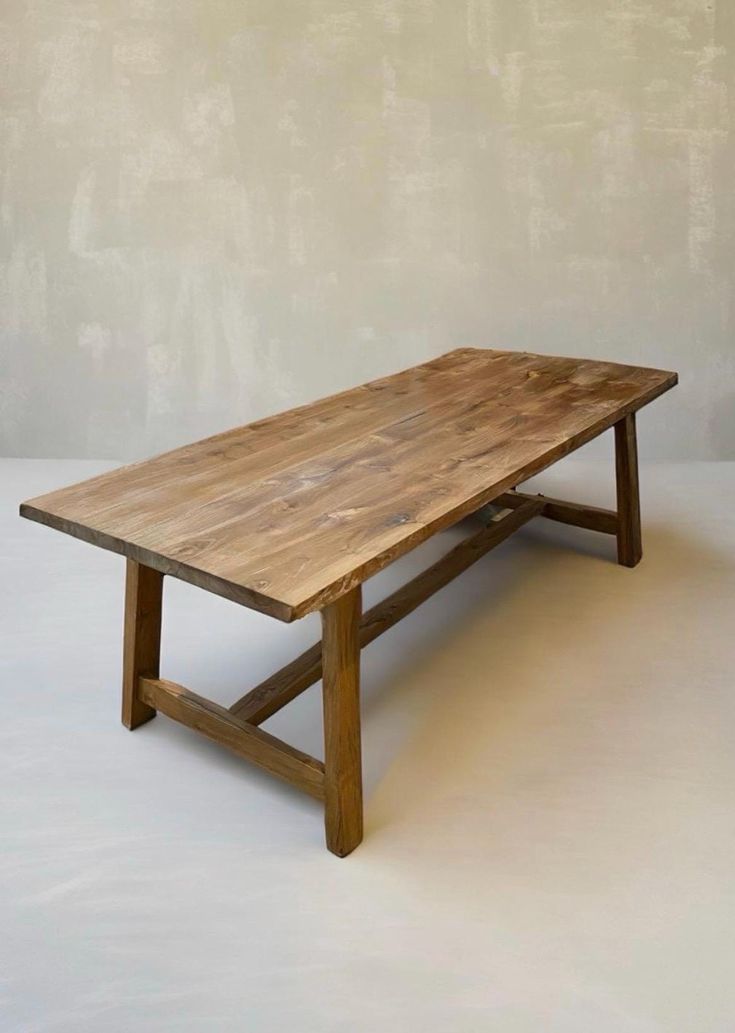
(213, 210)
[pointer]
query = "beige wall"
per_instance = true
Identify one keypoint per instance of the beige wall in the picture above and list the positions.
(212, 209)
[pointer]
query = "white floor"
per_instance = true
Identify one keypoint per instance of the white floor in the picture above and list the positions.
(549, 756)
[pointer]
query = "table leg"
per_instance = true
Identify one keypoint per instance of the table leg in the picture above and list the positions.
(142, 641)
(341, 698)
(630, 548)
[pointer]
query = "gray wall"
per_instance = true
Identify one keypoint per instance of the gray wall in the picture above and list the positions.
(213, 209)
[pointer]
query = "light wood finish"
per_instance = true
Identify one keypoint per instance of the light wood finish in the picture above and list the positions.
(287, 514)
(142, 639)
(630, 546)
(218, 724)
(275, 692)
(341, 698)
(590, 517)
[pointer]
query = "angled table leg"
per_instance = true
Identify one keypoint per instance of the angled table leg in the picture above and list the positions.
(142, 641)
(630, 549)
(341, 698)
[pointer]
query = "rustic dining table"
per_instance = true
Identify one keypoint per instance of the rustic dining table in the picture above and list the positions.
(292, 513)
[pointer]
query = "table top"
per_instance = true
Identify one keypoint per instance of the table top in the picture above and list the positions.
(286, 514)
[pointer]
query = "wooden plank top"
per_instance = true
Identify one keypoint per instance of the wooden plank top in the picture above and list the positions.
(286, 514)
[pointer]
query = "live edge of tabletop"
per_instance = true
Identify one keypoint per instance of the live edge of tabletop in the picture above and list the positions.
(291, 514)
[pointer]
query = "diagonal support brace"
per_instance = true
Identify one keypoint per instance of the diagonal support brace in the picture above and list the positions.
(285, 685)
(217, 723)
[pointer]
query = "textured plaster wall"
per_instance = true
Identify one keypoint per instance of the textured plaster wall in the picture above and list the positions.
(213, 209)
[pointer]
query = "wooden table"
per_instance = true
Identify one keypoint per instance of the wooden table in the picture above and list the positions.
(292, 513)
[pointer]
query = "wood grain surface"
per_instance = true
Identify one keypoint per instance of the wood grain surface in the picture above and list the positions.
(341, 706)
(287, 514)
(141, 639)
(630, 546)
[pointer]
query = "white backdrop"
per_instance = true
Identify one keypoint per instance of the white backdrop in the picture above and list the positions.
(213, 210)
